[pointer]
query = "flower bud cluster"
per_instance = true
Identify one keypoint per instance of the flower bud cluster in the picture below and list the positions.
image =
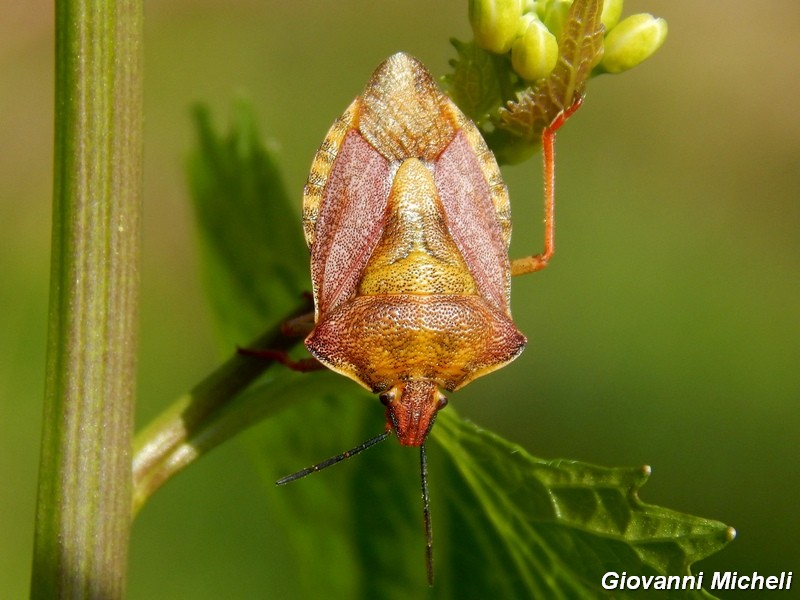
(530, 29)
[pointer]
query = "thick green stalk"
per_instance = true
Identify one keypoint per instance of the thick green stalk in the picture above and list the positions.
(211, 413)
(83, 512)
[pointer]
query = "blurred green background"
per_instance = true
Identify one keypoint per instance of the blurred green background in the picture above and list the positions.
(666, 331)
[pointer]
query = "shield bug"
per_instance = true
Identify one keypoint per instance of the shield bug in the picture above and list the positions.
(408, 222)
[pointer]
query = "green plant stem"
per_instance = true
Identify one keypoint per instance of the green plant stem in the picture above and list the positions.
(211, 413)
(83, 508)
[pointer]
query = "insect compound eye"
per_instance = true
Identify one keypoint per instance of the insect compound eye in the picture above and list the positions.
(387, 398)
(442, 402)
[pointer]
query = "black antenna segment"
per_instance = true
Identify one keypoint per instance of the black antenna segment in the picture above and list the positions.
(426, 513)
(334, 459)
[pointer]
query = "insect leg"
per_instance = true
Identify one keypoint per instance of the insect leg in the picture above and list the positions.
(537, 262)
(301, 365)
(299, 326)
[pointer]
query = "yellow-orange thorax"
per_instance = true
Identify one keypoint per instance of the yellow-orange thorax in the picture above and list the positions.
(416, 254)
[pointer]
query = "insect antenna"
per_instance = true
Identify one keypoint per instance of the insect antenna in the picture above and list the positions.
(335, 459)
(426, 513)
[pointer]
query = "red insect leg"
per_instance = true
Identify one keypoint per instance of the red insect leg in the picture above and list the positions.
(302, 365)
(537, 262)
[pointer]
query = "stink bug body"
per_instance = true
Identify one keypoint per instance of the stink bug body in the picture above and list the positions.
(408, 222)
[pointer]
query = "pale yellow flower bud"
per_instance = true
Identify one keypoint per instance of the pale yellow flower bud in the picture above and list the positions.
(612, 10)
(495, 23)
(535, 52)
(554, 16)
(632, 41)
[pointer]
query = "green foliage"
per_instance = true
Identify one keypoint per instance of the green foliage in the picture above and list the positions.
(241, 204)
(254, 271)
(506, 525)
(553, 528)
(480, 81)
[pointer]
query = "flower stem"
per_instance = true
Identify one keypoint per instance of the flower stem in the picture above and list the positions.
(83, 509)
(211, 413)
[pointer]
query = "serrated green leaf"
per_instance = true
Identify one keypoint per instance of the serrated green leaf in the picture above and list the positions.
(506, 524)
(254, 260)
(553, 528)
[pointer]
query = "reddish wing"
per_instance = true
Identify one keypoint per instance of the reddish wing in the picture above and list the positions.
(349, 222)
(472, 220)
